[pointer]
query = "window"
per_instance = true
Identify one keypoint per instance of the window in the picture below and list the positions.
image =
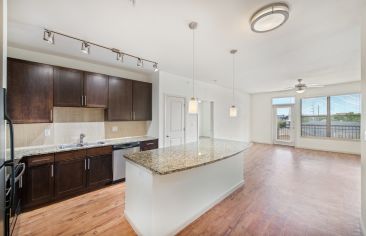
(333, 116)
(283, 101)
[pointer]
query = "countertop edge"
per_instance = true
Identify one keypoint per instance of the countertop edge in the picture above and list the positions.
(187, 168)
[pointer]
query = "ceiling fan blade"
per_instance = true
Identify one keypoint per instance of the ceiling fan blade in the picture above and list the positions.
(315, 85)
(287, 89)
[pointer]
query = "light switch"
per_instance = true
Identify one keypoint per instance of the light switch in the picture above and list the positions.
(114, 129)
(47, 132)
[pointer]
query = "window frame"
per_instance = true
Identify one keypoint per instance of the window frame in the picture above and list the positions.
(328, 116)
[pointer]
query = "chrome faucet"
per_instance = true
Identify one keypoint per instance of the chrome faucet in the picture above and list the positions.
(81, 142)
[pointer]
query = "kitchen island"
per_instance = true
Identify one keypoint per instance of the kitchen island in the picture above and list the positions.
(168, 188)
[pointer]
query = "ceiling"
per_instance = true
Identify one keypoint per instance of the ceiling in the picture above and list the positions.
(319, 43)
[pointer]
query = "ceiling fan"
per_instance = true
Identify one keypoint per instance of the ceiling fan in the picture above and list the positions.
(300, 86)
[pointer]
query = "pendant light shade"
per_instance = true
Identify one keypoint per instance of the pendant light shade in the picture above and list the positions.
(193, 106)
(233, 111)
(193, 103)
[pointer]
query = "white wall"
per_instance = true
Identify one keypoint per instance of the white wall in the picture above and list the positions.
(261, 116)
(224, 126)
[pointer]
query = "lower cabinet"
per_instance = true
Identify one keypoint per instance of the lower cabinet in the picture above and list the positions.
(70, 173)
(99, 171)
(39, 181)
(58, 176)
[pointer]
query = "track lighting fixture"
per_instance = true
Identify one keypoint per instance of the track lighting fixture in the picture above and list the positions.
(49, 37)
(140, 62)
(85, 47)
(155, 66)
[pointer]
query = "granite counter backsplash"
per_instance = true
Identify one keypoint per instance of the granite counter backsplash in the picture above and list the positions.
(167, 160)
(39, 150)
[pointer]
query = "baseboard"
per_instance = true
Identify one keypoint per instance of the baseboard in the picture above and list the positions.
(203, 210)
(193, 218)
(327, 150)
(363, 228)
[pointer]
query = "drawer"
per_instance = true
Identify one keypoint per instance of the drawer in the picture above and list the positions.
(149, 145)
(99, 151)
(40, 160)
(70, 155)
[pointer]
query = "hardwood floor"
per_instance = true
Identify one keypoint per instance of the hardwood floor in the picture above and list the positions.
(287, 191)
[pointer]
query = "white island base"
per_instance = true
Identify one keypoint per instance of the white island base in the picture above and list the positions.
(158, 205)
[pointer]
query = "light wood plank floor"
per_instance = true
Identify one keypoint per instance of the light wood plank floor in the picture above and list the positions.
(287, 191)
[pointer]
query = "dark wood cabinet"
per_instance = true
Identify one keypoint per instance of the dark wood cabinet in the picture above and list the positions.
(119, 99)
(29, 91)
(149, 145)
(39, 180)
(95, 90)
(142, 101)
(99, 167)
(70, 173)
(68, 87)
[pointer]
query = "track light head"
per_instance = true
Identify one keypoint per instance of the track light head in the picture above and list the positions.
(85, 47)
(120, 56)
(155, 66)
(49, 37)
(140, 62)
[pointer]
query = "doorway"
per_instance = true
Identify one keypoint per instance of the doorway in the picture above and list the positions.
(283, 125)
(205, 119)
(174, 127)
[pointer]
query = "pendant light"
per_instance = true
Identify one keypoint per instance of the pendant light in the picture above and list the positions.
(233, 111)
(193, 103)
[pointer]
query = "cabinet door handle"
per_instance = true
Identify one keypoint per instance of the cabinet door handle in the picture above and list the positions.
(84, 100)
(131, 115)
(40, 160)
(52, 170)
(134, 115)
(149, 143)
(88, 163)
(21, 182)
(85, 164)
(51, 114)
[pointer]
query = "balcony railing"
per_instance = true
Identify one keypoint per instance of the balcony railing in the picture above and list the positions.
(336, 131)
(283, 133)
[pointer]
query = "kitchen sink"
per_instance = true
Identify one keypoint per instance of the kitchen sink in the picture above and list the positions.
(79, 145)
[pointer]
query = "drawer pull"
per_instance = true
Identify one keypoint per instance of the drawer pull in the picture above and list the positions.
(149, 143)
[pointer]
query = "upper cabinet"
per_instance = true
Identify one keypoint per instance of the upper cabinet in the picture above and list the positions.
(30, 91)
(95, 90)
(119, 99)
(142, 100)
(68, 87)
(34, 88)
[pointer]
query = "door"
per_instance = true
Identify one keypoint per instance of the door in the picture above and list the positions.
(119, 99)
(99, 170)
(283, 123)
(95, 90)
(39, 184)
(29, 92)
(142, 101)
(174, 128)
(68, 87)
(70, 177)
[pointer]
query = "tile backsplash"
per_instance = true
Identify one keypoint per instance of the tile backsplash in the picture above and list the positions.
(69, 123)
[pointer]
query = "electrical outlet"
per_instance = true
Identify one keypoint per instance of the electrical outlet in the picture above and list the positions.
(47, 132)
(114, 129)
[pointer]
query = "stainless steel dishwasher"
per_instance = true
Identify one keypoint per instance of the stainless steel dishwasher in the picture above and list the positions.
(119, 162)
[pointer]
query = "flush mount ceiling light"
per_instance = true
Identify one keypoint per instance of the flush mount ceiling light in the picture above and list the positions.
(269, 17)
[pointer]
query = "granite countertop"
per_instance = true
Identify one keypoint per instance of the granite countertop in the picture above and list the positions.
(167, 160)
(39, 150)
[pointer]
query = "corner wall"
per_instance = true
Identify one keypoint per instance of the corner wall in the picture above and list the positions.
(363, 125)
(262, 116)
